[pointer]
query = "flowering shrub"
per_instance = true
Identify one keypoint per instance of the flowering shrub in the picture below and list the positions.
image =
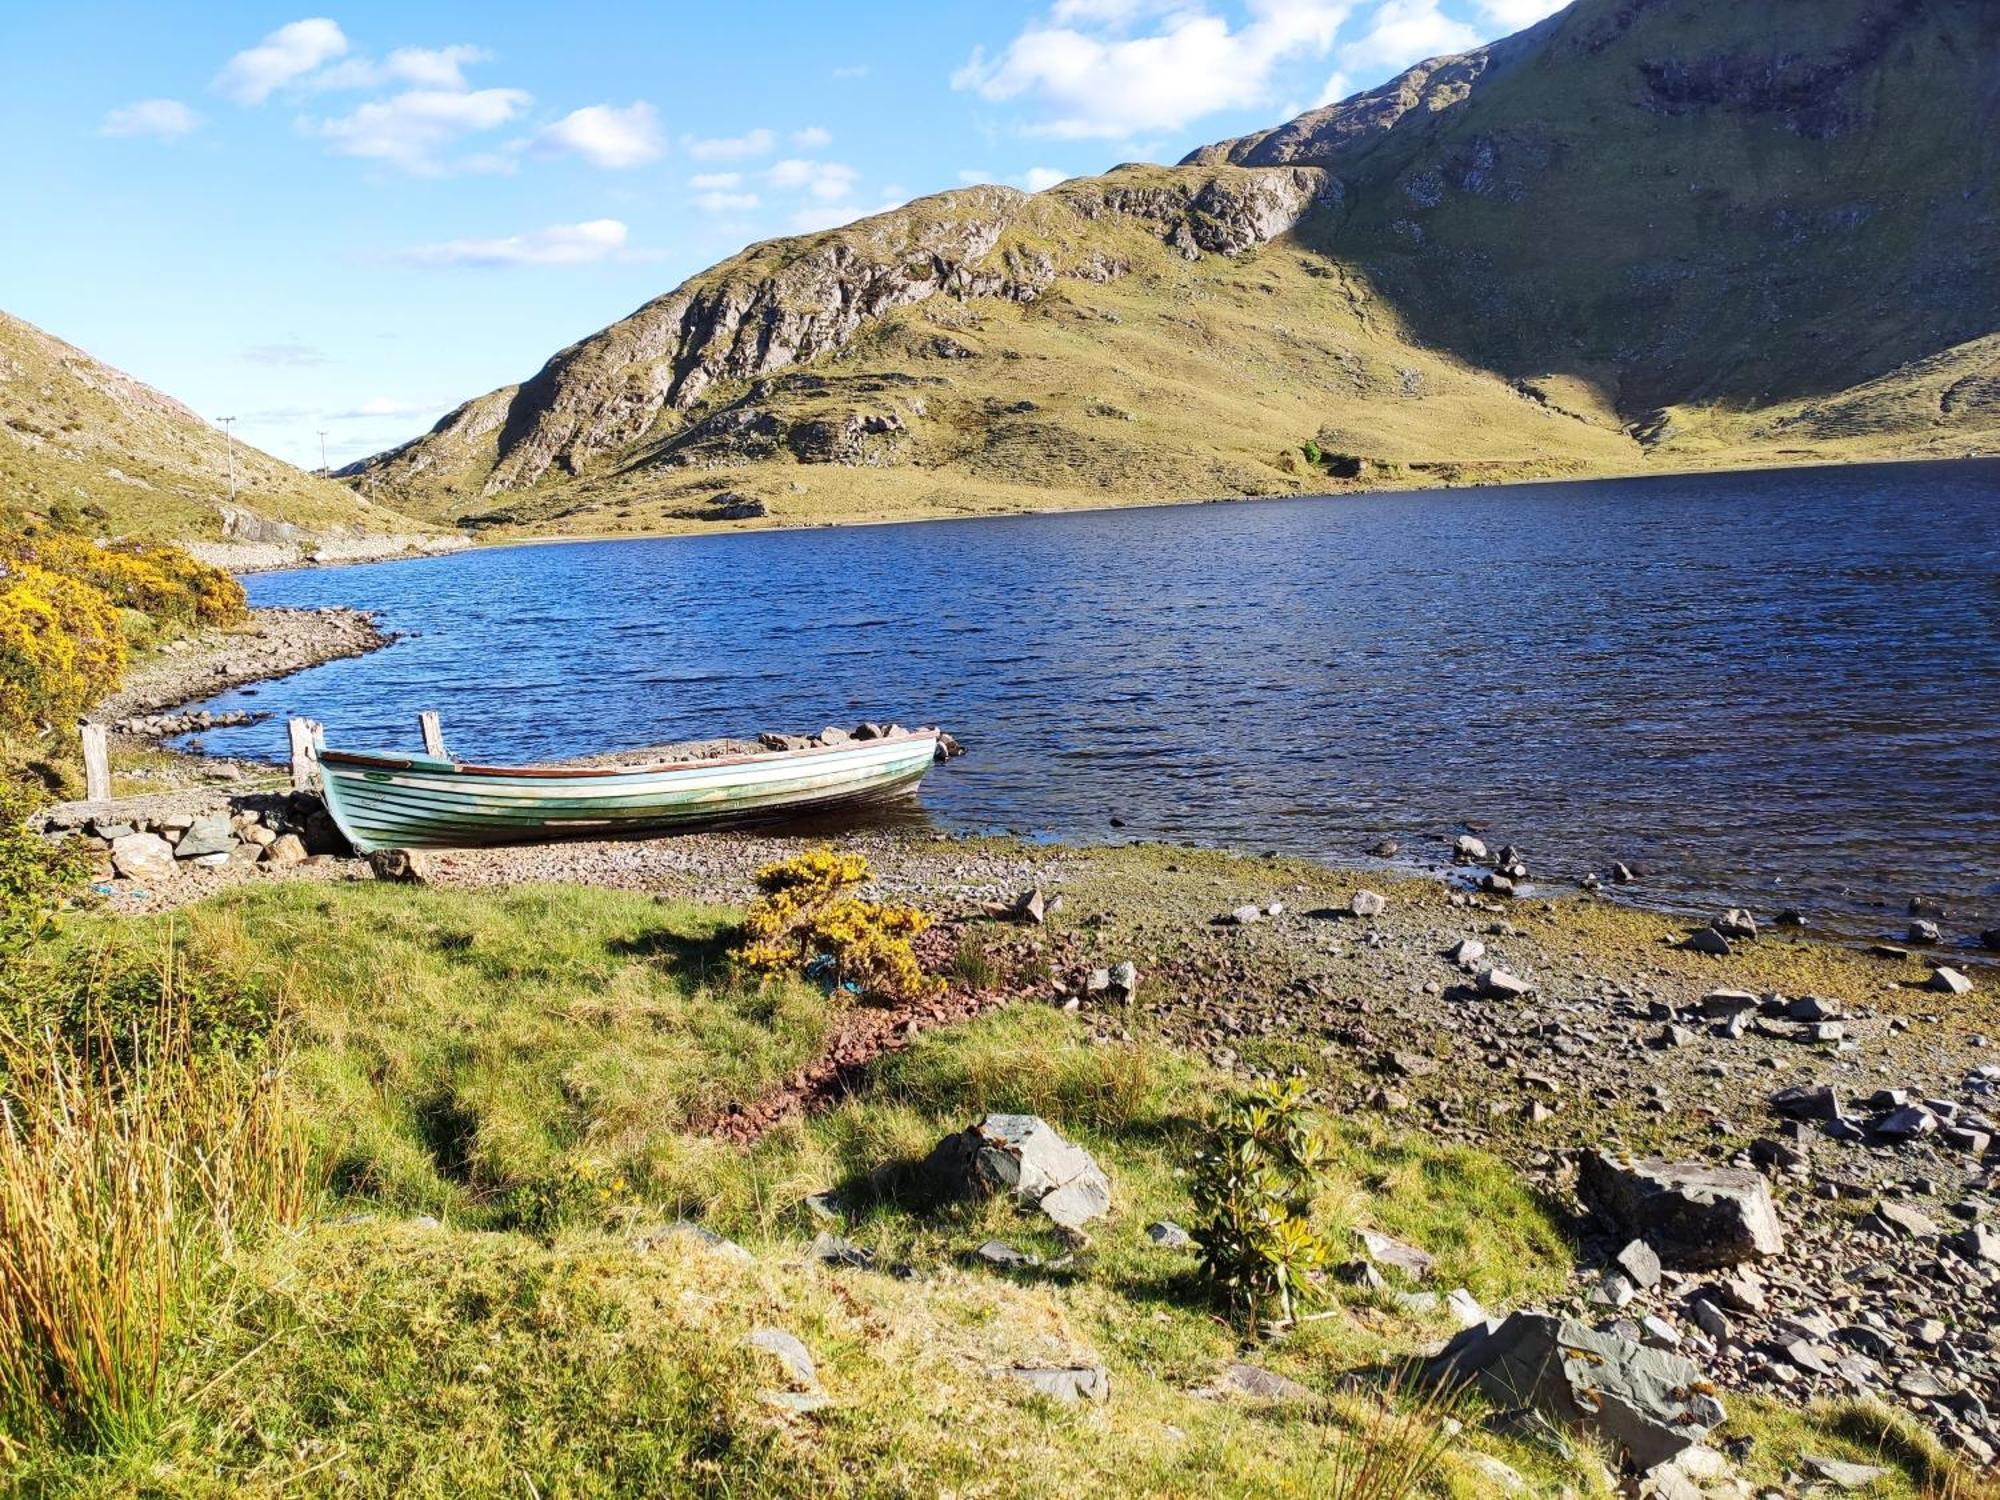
(60, 646)
(162, 581)
(804, 922)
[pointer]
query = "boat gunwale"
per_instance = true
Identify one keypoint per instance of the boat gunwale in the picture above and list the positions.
(366, 761)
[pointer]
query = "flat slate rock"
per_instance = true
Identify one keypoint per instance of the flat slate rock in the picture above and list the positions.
(1695, 1216)
(1066, 1383)
(1256, 1384)
(1023, 1156)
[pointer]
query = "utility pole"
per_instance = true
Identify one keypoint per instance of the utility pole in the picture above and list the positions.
(323, 470)
(229, 442)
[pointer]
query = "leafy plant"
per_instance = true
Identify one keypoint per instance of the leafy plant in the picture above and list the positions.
(37, 878)
(1253, 1186)
(805, 922)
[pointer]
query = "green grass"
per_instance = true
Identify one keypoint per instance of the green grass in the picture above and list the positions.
(457, 1051)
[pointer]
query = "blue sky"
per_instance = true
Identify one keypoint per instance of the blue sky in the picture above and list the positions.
(348, 220)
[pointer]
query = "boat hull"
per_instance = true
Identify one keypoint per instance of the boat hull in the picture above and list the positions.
(387, 802)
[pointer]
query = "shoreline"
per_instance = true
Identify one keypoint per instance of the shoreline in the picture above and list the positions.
(1535, 1028)
(479, 541)
(274, 642)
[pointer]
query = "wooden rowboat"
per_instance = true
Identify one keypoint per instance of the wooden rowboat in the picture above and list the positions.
(428, 802)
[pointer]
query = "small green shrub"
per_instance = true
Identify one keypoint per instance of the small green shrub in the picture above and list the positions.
(37, 878)
(1253, 1185)
(1311, 451)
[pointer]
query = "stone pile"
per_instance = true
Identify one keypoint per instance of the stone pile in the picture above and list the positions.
(168, 726)
(152, 842)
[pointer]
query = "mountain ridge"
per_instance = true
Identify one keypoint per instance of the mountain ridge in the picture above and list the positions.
(1639, 235)
(89, 444)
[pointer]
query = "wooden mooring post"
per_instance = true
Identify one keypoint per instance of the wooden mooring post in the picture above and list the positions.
(307, 736)
(96, 763)
(433, 733)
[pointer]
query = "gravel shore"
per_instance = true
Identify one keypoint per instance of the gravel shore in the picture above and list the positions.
(274, 642)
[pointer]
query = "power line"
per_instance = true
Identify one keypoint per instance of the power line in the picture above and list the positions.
(229, 442)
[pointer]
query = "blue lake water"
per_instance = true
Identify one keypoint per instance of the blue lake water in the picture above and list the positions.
(1779, 688)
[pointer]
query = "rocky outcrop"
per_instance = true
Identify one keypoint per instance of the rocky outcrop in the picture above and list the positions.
(1647, 1404)
(791, 302)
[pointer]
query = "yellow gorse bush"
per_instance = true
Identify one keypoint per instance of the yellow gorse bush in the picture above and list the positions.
(61, 645)
(805, 919)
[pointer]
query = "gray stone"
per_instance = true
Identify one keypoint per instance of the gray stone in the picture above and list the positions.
(1367, 904)
(1722, 1005)
(1707, 940)
(1385, 1250)
(1501, 985)
(285, 849)
(1638, 1261)
(143, 856)
(1065, 1383)
(1902, 1221)
(1948, 981)
(1464, 1308)
(1243, 916)
(1800, 1103)
(1023, 1156)
(1736, 923)
(1124, 980)
(1648, 1404)
(1840, 1473)
(791, 1355)
(1978, 1242)
(405, 866)
(1468, 850)
(1694, 1215)
(1005, 1257)
(208, 834)
(1922, 933)
(1169, 1236)
(1263, 1385)
(832, 1250)
(1466, 952)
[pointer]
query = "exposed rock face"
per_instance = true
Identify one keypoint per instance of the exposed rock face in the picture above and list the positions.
(1023, 1156)
(1649, 1404)
(1693, 1215)
(789, 302)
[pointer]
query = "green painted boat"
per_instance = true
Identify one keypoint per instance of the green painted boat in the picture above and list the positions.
(422, 802)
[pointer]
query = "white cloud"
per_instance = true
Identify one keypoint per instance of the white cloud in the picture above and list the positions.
(383, 406)
(290, 52)
(733, 147)
(288, 354)
(712, 181)
(425, 67)
(163, 119)
(1402, 32)
(1089, 77)
(557, 245)
(828, 181)
(607, 136)
(1037, 178)
(719, 202)
(1333, 90)
(1517, 14)
(410, 129)
(812, 138)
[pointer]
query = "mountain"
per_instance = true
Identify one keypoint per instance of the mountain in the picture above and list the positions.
(121, 458)
(1643, 234)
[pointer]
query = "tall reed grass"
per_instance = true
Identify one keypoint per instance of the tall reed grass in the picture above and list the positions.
(129, 1164)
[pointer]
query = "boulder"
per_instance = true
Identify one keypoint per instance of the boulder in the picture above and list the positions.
(1468, 850)
(1707, 940)
(1948, 981)
(1649, 1405)
(1736, 923)
(285, 849)
(406, 866)
(1023, 1156)
(1367, 904)
(143, 856)
(1066, 1383)
(208, 834)
(1694, 1216)
(1501, 985)
(1466, 952)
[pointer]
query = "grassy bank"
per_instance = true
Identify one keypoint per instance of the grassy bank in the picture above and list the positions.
(502, 1093)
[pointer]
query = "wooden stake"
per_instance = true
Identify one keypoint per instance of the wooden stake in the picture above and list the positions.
(307, 736)
(96, 764)
(427, 721)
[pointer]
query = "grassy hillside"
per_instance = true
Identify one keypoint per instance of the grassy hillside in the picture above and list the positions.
(120, 458)
(1636, 237)
(507, 1089)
